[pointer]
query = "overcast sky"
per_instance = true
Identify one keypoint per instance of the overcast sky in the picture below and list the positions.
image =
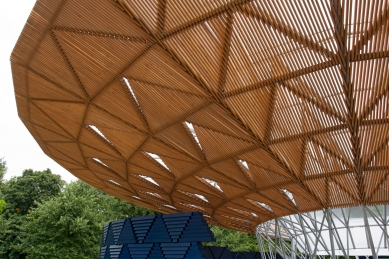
(17, 146)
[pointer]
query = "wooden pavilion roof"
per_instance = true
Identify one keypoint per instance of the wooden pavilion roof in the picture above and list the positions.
(243, 110)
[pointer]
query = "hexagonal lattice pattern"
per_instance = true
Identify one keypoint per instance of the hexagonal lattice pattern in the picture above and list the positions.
(243, 110)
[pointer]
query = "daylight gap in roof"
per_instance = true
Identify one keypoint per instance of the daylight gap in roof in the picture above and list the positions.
(158, 159)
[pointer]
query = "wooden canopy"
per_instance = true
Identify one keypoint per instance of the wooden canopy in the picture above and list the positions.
(243, 110)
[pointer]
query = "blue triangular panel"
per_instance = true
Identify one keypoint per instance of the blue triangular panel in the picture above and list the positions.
(197, 230)
(174, 250)
(240, 256)
(249, 255)
(175, 224)
(127, 235)
(217, 251)
(110, 239)
(158, 232)
(117, 227)
(142, 226)
(103, 250)
(124, 254)
(104, 236)
(196, 251)
(139, 251)
(156, 252)
(208, 252)
(114, 251)
(227, 254)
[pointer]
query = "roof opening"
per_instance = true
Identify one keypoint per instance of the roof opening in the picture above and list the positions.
(244, 164)
(194, 206)
(95, 129)
(200, 196)
(290, 196)
(170, 206)
(243, 212)
(125, 80)
(158, 159)
(213, 183)
(112, 181)
(100, 162)
(136, 197)
(263, 205)
(191, 128)
(148, 178)
(236, 218)
(130, 88)
(154, 194)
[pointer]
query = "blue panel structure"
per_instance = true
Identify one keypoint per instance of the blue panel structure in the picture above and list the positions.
(214, 251)
(197, 230)
(175, 236)
(142, 226)
(109, 240)
(139, 251)
(175, 224)
(156, 252)
(103, 252)
(127, 235)
(174, 250)
(240, 256)
(124, 254)
(196, 251)
(158, 232)
(227, 254)
(117, 227)
(104, 236)
(250, 255)
(114, 251)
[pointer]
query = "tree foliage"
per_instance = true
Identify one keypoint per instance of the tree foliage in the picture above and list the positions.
(21, 194)
(236, 241)
(3, 168)
(70, 225)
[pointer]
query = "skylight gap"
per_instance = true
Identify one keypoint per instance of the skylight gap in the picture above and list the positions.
(158, 159)
(191, 128)
(244, 164)
(112, 181)
(99, 161)
(148, 178)
(200, 197)
(95, 129)
(131, 91)
(213, 183)
(290, 196)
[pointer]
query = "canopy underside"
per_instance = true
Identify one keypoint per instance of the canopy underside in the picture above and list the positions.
(243, 110)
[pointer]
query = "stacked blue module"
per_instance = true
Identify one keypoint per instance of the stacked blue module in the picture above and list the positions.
(170, 236)
(214, 252)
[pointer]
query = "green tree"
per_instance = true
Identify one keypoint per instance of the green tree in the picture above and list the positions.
(3, 169)
(2, 204)
(236, 241)
(21, 194)
(70, 225)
